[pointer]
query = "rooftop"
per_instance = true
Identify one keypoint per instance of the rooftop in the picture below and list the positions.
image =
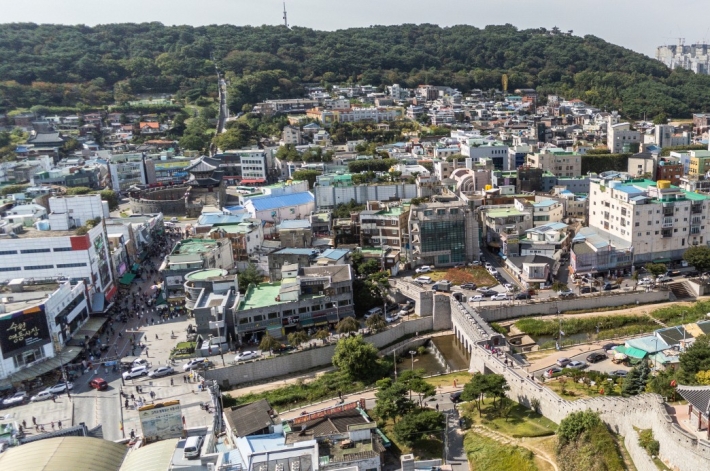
(504, 212)
(249, 418)
(263, 203)
(262, 295)
(194, 246)
(294, 224)
(202, 275)
(545, 203)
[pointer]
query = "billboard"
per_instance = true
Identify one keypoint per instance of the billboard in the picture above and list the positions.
(162, 420)
(23, 330)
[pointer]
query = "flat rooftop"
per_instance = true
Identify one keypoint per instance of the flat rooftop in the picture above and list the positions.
(262, 295)
(32, 233)
(501, 213)
(202, 275)
(193, 246)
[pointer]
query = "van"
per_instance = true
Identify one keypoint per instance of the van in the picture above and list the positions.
(193, 446)
(424, 279)
(373, 311)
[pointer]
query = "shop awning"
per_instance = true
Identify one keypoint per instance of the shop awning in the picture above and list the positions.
(92, 326)
(662, 260)
(254, 180)
(161, 299)
(98, 301)
(307, 322)
(127, 279)
(631, 352)
(136, 266)
(111, 293)
(67, 355)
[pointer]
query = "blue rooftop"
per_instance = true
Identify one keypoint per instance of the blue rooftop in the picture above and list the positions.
(544, 203)
(334, 254)
(649, 344)
(294, 224)
(295, 251)
(263, 203)
(629, 189)
(214, 218)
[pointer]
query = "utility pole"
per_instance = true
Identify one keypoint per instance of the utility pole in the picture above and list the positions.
(285, 17)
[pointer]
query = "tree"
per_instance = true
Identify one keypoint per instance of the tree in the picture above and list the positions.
(250, 275)
(308, 175)
(699, 257)
(347, 325)
(417, 426)
(269, 343)
(414, 382)
(695, 359)
(376, 323)
(78, 190)
(575, 424)
(558, 286)
(656, 269)
(356, 358)
(392, 400)
(321, 334)
(111, 197)
(636, 379)
(703, 377)
(473, 391)
(297, 338)
(495, 387)
(369, 267)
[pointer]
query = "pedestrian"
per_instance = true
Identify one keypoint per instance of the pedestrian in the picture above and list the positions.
(34, 421)
(54, 398)
(156, 337)
(437, 407)
(24, 423)
(59, 424)
(171, 382)
(126, 405)
(52, 425)
(133, 397)
(184, 378)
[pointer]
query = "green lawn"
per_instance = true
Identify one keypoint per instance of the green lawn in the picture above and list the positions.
(462, 377)
(574, 390)
(521, 421)
(486, 454)
(428, 449)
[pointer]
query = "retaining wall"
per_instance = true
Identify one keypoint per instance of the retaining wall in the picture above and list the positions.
(270, 368)
(424, 299)
(681, 450)
(505, 311)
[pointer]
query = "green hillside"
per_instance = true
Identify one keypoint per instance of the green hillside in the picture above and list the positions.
(56, 65)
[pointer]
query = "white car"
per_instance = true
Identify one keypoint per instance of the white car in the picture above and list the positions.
(17, 398)
(476, 298)
(663, 279)
(423, 269)
(140, 362)
(500, 297)
(248, 355)
(61, 387)
(508, 287)
(196, 363)
(646, 282)
(391, 318)
(488, 265)
(42, 396)
(576, 364)
(161, 371)
(424, 279)
(493, 271)
(136, 372)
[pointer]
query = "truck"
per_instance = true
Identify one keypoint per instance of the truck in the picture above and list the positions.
(441, 286)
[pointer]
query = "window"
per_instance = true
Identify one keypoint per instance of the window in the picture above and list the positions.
(273, 315)
(62, 249)
(8, 252)
(11, 269)
(70, 265)
(39, 267)
(34, 250)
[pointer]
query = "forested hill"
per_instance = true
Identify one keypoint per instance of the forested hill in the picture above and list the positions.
(55, 65)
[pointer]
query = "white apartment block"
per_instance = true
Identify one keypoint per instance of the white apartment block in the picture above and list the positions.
(655, 221)
(127, 170)
(478, 149)
(620, 135)
(557, 161)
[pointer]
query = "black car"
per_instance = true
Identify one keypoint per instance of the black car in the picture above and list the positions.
(596, 357)
(468, 286)
(619, 373)
(392, 307)
(691, 274)
(610, 286)
(455, 396)
(588, 289)
(489, 292)
(610, 346)
(523, 296)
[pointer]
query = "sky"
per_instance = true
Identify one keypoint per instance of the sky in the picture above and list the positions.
(640, 25)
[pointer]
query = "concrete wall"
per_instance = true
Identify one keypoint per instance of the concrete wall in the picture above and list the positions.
(442, 312)
(170, 201)
(270, 368)
(507, 311)
(423, 298)
(678, 448)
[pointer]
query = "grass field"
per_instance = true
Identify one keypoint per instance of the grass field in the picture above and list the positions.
(462, 377)
(574, 391)
(456, 276)
(521, 422)
(486, 454)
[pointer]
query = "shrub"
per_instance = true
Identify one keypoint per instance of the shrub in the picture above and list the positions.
(648, 443)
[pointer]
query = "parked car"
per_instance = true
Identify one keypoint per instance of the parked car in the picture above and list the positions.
(610, 286)
(20, 397)
(476, 298)
(663, 279)
(174, 220)
(140, 362)
(409, 304)
(248, 355)
(646, 282)
(489, 292)
(519, 296)
(42, 396)
(391, 307)
(99, 384)
(197, 363)
(596, 357)
(136, 372)
(488, 265)
(460, 265)
(508, 287)
(550, 372)
(61, 387)
(493, 271)
(476, 263)
(610, 346)
(619, 373)
(161, 371)
(373, 311)
(468, 286)
(423, 269)
(691, 274)
(566, 294)
(500, 297)
(402, 313)
(390, 318)
(588, 289)
(424, 280)
(576, 364)
(564, 361)
(455, 396)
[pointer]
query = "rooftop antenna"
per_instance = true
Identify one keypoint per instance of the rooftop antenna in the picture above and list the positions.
(285, 17)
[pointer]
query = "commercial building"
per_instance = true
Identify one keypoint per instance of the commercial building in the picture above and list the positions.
(656, 220)
(384, 225)
(279, 208)
(295, 233)
(190, 255)
(504, 226)
(557, 161)
(333, 189)
(621, 138)
(36, 323)
(480, 148)
(300, 257)
(304, 298)
(699, 162)
(127, 170)
(211, 296)
(547, 210)
(442, 233)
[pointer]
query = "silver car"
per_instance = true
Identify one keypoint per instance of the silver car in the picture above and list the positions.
(161, 371)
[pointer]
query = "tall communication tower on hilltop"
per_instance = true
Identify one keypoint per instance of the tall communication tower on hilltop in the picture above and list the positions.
(285, 17)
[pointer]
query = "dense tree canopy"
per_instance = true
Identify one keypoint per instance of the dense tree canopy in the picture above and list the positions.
(55, 65)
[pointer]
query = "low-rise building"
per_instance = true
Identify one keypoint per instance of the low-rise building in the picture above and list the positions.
(557, 161)
(300, 257)
(279, 208)
(210, 297)
(304, 298)
(190, 255)
(295, 233)
(384, 225)
(504, 225)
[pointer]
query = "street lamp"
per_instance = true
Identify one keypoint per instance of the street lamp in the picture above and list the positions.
(412, 353)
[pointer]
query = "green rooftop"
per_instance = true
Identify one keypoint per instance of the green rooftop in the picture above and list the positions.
(263, 295)
(501, 213)
(205, 274)
(193, 246)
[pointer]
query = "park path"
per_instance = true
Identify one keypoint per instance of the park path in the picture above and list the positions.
(508, 440)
